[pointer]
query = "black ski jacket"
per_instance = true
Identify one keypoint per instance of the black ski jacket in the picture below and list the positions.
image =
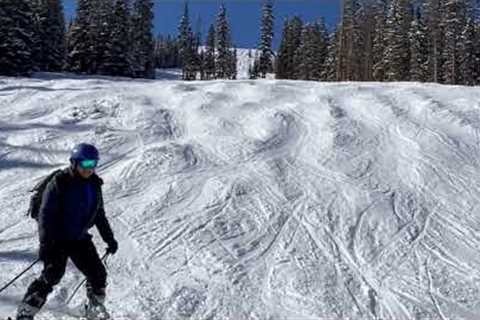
(71, 205)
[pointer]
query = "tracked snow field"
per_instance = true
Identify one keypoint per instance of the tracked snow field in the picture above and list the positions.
(268, 200)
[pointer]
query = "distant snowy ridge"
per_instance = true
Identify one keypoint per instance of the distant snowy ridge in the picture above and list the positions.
(258, 199)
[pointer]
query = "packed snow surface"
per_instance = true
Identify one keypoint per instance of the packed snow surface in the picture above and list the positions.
(268, 200)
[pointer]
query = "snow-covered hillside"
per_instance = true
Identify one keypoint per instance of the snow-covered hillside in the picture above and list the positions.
(258, 200)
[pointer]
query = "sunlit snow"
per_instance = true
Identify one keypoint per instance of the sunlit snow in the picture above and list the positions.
(268, 200)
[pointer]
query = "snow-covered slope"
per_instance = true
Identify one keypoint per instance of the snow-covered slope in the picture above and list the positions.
(258, 200)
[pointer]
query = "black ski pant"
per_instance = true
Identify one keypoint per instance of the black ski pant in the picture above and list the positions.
(85, 257)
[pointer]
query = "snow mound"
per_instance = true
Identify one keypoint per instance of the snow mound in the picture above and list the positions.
(258, 199)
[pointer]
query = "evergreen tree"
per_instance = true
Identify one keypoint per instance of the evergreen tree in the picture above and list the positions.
(397, 51)
(116, 58)
(56, 41)
(80, 42)
(186, 46)
(304, 56)
(143, 43)
(265, 48)
(330, 64)
(16, 37)
(223, 62)
(367, 18)
(281, 64)
(210, 54)
(166, 52)
(476, 46)
(197, 60)
(321, 48)
(378, 50)
(454, 23)
(253, 69)
(38, 47)
(233, 64)
(201, 64)
(102, 23)
(418, 50)
(432, 12)
(51, 51)
(311, 54)
(291, 40)
(251, 75)
(468, 64)
(349, 42)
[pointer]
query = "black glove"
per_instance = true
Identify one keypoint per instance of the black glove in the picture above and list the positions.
(112, 247)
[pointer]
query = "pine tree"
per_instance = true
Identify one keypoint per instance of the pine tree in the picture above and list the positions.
(39, 47)
(186, 46)
(330, 63)
(102, 23)
(281, 64)
(223, 62)
(454, 22)
(321, 48)
(304, 55)
(476, 46)
(253, 69)
(349, 59)
(378, 50)
(201, 64)
(210, 54)
(143, 43)
(418, 50)
(16, 37)
(367, 18)
(432, 12)
(116, 58)
(397, 51)
(265, 48)
(197, 41)
(311, 54)
(233, 64)
(291, 40)
(80, 42)
(466, 52)
(166, 52)
(50, 26)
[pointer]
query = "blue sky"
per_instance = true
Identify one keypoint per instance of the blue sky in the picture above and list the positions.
(244, 15)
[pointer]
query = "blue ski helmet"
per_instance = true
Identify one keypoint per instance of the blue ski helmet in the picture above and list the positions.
(84, 151)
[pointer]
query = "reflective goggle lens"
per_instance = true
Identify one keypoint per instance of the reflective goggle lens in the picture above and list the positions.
(88, 164)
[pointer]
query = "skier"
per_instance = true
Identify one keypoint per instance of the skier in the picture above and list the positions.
(71, 204)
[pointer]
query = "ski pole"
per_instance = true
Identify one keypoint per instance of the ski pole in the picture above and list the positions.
(21, 274)
(104, 259)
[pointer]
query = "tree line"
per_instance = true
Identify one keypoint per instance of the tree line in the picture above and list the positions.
(386, 40)
(376, 40)
(108, 37)
(216, 59)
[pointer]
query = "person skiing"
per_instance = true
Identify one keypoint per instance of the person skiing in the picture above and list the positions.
(72, 203)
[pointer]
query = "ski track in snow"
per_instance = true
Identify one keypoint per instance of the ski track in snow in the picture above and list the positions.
(258, 199)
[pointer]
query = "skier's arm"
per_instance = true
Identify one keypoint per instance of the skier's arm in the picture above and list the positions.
(48, 214)
(103, 225)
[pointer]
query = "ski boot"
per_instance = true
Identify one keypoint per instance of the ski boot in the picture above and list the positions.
(95, 308)
(26, 312)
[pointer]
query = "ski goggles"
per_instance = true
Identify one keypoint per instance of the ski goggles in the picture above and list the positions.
(88, 164)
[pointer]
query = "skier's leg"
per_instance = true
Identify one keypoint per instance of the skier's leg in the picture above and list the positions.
(37, 292)
(86, 259)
